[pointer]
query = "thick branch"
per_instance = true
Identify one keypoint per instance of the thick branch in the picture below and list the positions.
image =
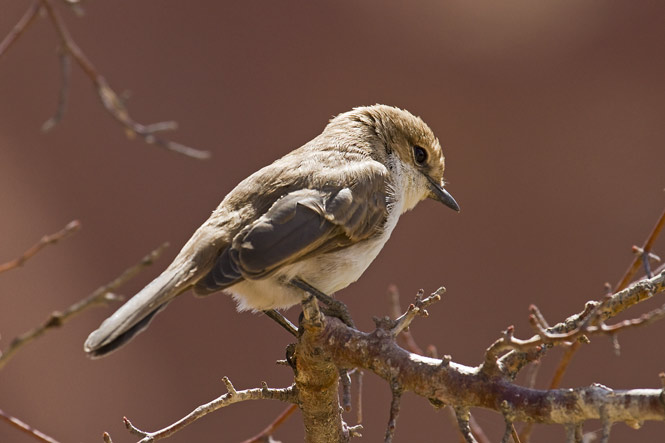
(317, 381)
(466, 387)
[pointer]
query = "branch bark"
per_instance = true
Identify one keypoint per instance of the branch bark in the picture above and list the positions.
(329, 344)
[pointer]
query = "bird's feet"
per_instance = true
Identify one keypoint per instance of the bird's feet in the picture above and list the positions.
(332, 307)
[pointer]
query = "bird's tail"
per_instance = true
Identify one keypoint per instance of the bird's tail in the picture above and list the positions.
(135, 315)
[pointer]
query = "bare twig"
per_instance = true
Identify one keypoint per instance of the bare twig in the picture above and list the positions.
(264, 435)
(112, 103)
(418, 307)
(358, 375)
(544, 337)
(574, 433)
(642, 255)
(463, 417)
(394, 411)
(101, 295)
(110, 100)
(345, 382)
(18, 424)
(477, 431)
(21, 26)
(66, 72)
(405, 338)
(231, 397)
(46, 240)
(589, 321)
(646, 248)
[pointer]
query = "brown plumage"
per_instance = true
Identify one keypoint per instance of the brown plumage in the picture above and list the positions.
(320, 214)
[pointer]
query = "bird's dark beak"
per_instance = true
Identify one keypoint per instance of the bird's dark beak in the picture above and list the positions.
(441, 195)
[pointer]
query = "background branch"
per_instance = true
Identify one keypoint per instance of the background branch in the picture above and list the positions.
(110, 100)
(20, 26)
(24, 427)
(101, 295)
(265, 434)
(71, 228)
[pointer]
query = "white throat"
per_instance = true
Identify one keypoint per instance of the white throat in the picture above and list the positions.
(408, 185)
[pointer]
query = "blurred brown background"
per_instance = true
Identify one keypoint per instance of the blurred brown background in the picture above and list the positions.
(551, 116)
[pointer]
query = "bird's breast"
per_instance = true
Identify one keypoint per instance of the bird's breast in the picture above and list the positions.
(329, 272)
(336, 270)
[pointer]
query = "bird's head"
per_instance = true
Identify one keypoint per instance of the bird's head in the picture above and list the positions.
(408, 140)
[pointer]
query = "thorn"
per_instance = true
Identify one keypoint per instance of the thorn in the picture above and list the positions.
(229, 386)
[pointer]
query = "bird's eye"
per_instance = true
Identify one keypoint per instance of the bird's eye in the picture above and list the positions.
(419, 154)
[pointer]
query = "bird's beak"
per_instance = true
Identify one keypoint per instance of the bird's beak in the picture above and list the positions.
(441, 195)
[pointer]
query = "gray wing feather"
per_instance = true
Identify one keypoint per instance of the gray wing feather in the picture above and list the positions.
(300, 223)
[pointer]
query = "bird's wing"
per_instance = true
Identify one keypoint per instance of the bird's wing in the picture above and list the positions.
(301, 223)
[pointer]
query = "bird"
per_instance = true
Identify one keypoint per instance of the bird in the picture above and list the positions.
(312, 221)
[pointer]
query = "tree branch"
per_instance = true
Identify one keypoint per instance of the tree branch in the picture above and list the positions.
(101, 295)
(18, 424)
(446, 382)
(71, 228)
(19, 27)
(231, 397)
(646, 249)
(317, 381)
(467, 387)
(265, 435)
(110, 100)
(512, 362)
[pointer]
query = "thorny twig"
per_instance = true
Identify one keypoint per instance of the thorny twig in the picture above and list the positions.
(46, 240)
(573, 327)
(110, 100)
(231, 397)
(589, 322)
(642, 255)
(18, 424)
(101, 295)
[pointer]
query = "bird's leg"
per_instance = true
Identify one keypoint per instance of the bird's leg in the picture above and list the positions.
(333, 308)
(282, 321)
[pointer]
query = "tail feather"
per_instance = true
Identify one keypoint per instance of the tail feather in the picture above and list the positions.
(105, 349)
(135, 315)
